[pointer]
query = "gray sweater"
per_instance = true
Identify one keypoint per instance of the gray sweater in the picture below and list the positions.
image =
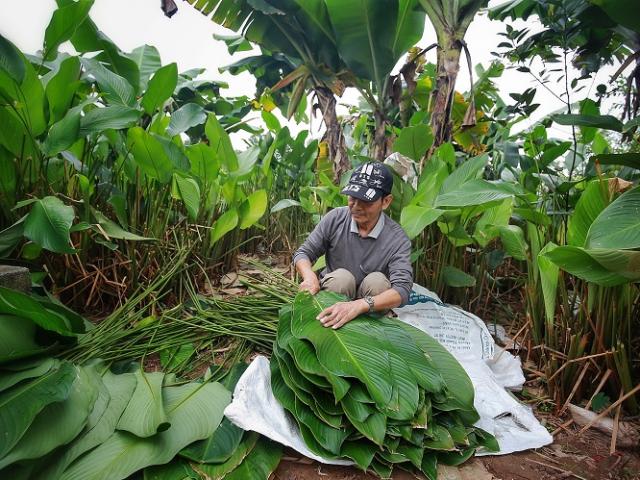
(387, 249)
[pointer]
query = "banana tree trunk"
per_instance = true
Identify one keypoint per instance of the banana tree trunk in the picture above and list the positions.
(448, 65)
(333, 135)
(381, 143)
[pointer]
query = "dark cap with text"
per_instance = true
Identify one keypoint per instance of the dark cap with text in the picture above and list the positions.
(369, 182)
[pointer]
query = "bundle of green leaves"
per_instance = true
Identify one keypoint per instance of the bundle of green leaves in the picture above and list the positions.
(376, 391)
(63, 420)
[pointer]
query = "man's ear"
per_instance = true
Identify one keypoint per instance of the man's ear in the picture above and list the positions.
(386, 201)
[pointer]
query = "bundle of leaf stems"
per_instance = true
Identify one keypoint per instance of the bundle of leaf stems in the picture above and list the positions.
(207, 322)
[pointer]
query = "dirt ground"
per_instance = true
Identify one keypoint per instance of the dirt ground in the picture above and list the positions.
(571, 456)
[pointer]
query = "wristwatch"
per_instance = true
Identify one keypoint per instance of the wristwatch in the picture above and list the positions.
(370, 302)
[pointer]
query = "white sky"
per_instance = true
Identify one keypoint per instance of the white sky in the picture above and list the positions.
(187, 40)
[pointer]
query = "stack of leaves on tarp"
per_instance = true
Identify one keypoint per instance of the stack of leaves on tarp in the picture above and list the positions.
(376, 391)
(67, 421)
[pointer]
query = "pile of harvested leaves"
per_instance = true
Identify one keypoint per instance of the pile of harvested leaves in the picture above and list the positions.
(376, 391)
(70, 421)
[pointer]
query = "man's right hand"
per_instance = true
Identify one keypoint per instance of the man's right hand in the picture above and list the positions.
(311, 285)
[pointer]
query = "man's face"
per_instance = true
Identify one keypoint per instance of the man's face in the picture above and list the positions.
(367, 213)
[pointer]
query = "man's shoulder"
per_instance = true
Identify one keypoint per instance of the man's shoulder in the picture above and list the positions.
(394, 228)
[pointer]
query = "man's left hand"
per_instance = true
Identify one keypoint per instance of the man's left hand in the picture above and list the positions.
(340, 313)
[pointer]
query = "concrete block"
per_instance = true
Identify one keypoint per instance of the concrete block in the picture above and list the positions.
(17, 278)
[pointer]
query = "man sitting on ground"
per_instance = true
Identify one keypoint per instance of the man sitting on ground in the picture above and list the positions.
(367, 254)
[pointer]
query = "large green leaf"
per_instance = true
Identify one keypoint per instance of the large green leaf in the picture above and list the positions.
(473, 192)
(48, 224)
(149, 154)
(549, 281)
(27, 99)
(469, 170)
(13, 302)
(116, 89)
(223, 225)
(252, 209)
(113, 116)
(605, 267)
(20, 405)
(100, 425)
(59, 422)
(606, 122)
(9, 378)
(63, 134)
(219, 447)
(485, 229)
(17, 339)
(11, 60)
(513, 241)
(414, 142)
(62, 87)
(260, 463)
(371, 35)
(113, 230)
(631, 159)
(219, 471)
(460, 392)
(185, 188)
(415, 219)
(618, 225)
(221, 143)
(454, 277)
(185, 117)
(160, 88)
(63, 25)
(177, 469)
(148, 61)
(593, 200)
(623, 12)
(145, 415)
(194, 412)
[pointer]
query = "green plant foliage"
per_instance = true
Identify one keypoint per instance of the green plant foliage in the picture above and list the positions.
(252, 209)
(145, 414)
(618, 225)
(46, 315)
(260, 463)
(160, 87)
(370, 390)
(454, 277)
(415, 219)
(20, 405)
(185, 117)
(48, 224)
(220, 470)
(227, 222)
(63, 25)
(194, 412)
(59, 422)
(17, 338)
(414, 141)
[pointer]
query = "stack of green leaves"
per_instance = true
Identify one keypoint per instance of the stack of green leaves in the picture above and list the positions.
(376, 391)
(62, 420)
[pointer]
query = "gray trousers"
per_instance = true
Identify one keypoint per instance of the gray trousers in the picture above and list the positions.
(342, 281)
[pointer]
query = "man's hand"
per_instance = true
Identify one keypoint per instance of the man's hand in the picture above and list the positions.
(342, 312)
(311, 285)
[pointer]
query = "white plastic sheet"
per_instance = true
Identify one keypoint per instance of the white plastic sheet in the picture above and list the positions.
(490, 368)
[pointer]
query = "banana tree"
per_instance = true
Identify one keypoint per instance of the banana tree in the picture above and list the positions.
(332, 44)
(450, 19)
